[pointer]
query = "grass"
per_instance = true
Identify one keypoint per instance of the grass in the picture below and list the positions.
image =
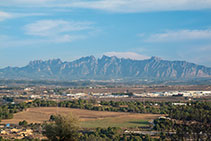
(88, 119)
(110, 122)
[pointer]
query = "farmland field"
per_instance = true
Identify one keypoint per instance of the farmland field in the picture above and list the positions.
(88, 119)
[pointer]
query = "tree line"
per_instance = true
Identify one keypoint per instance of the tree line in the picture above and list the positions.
(193, 111)
(188, 121)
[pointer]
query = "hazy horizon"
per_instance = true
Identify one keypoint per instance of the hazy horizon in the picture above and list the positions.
(99, 57)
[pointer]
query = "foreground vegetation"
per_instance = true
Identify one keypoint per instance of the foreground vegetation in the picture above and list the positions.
(191, 121)
(198, 111)
(65, 128)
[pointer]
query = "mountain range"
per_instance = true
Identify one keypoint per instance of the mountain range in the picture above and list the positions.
(106, 68)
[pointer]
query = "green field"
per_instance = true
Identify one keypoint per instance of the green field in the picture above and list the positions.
(110, 122)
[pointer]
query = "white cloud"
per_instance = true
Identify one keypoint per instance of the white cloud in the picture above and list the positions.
(180, 35)
(55, 27)
(24, 2)
(67, 38)
(32, 1)
(117, 5)
(145, 5)
(17, 15)
(59, 30)
(130, 55)
(4, 16)
(10, 42)
(47, 32)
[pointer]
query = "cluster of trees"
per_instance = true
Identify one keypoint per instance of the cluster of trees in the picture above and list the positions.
(65, 128)
(5, 113)
(23, 123)
(188, 122)
(196, 111)
(114, 133)
(111, 133)
(8, 99)
(194, 119)
(120, 106)
(7, 110)
(163, 124)
(187, 131)
(62, 128)
(183, 130)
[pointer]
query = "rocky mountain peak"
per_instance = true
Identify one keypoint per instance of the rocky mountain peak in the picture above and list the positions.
(36, 62)
(106, 68)
(155, 58)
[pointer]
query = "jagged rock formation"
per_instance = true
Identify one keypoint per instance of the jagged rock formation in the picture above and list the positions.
(106, 68)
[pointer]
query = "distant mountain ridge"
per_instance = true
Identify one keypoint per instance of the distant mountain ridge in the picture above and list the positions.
(106, 68)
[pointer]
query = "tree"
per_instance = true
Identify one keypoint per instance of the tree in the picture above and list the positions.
(23, 123)
(52, 118)
(63, 128)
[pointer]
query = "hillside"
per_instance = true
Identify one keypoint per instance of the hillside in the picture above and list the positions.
(106, 68)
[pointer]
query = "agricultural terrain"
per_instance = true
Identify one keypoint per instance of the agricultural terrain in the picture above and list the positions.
(88, 119)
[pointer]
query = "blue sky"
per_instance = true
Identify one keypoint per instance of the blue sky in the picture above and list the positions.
(137, 29)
